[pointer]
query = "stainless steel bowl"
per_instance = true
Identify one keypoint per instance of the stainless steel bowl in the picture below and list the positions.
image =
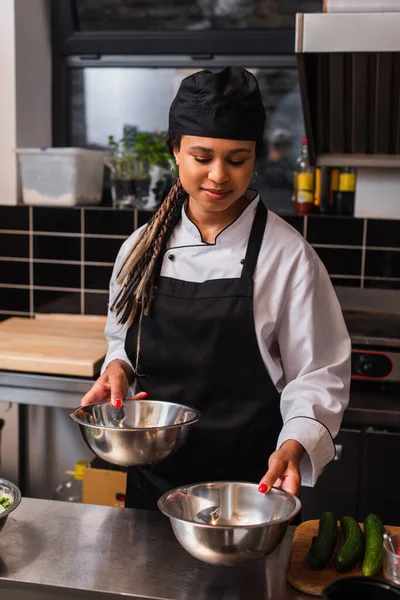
(228, 523)
(11, 491)
(141, 432)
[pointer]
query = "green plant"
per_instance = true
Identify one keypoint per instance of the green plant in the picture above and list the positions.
(136, 152)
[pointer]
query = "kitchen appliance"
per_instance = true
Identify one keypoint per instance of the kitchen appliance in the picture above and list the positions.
(251, 525)
(140, 432)
(360, 479)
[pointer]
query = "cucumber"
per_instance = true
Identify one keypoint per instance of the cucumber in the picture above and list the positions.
(352, 548)
(323, 545)
(373, 531)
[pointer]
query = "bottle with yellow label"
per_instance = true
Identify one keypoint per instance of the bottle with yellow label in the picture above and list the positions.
(304, 183)
(343, 201)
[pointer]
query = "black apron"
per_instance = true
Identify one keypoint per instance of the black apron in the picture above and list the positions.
(199, 348)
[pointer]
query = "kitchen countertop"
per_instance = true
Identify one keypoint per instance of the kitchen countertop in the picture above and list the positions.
(62, 550)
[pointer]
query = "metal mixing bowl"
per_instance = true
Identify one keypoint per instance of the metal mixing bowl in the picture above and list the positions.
(228, 523)
(9, 490)
(141, 432)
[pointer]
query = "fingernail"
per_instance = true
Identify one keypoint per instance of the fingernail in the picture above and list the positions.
(263, 488)
(144, 395)
(117, 402)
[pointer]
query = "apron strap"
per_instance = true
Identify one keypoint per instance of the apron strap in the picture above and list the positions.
(255, 241)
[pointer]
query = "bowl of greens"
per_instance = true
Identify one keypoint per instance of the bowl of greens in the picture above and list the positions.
(10, 497)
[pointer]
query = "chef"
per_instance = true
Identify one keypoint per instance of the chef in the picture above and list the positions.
(221, 305)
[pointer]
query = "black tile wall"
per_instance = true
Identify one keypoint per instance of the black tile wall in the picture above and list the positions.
(383, 284)
(97, 278)
(14, 272)
(96, 304)
(340, 261)
(346, 282)
(62, 220)
(14, 217)
(92, 236)
(111, 222)
(14, 299)
(296, 221)
(50, 275)
(56, 247)
(52, 301)
(383, 233)
(335, 230)
(14, 244)
(382, 263)
(102, 249)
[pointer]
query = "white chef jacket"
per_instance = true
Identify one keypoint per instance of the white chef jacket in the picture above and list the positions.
(298, 321)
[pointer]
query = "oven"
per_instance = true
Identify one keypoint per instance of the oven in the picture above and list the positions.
(363, 478)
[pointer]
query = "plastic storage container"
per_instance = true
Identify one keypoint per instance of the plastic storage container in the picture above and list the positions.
(61, 176)
(71, 490)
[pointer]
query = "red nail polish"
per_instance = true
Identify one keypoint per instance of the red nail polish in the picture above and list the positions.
(144, 395)
(263, 488)
(117, 402)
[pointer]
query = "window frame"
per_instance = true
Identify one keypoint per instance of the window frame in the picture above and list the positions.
(68, 40)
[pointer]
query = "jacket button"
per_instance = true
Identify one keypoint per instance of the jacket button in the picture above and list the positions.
(242, 261)
(171, 256)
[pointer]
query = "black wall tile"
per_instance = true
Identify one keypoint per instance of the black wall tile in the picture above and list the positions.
(383, 284)
(102, 249)
(335, 230)
(296, 221)
(346, 282)
(14, 217)
(14, 244)
(58, 302)
(382, 263)
(57, 275)
(144, 217)
(341, 261)
(112, 221)
(383, 232)
(62, 220)
(56, 248)
(14, 272)
(96, 304)
(14, 299)
(97, 278)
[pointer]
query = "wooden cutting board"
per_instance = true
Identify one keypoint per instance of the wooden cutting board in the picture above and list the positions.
(311, 581)
(53, 344)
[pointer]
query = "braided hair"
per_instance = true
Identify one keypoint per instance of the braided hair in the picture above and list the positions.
(136, 277)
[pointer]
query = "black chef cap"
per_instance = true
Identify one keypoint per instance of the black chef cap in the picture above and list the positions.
(225, 105)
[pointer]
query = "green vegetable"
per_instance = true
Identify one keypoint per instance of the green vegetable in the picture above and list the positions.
(353, 545)
(373, 530)
(5, 502)
(323, 546)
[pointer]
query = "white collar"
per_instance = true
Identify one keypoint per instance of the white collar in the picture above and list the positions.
(240, 226)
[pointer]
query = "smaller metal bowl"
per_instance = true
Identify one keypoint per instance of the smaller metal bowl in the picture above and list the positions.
(11, 491)
(228, 523)
(141, 432)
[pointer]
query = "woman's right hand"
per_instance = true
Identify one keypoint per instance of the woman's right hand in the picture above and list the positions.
(112, 386)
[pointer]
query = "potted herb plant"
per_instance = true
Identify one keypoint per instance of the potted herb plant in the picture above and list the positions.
(140, 169)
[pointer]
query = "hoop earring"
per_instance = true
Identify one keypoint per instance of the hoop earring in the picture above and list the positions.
(255, 177)
(174, 171)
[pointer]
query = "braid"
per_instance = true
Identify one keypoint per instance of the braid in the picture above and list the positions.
(137, 275)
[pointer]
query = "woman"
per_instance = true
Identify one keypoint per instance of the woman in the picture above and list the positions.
(222, 306)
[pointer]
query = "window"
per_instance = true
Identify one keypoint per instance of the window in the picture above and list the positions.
(192, 15)
(106, 100)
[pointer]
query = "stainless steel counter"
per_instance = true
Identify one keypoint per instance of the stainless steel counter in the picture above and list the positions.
(43, 390)
(59, 550)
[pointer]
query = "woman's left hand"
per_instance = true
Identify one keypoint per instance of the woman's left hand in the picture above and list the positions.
(283, 469)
